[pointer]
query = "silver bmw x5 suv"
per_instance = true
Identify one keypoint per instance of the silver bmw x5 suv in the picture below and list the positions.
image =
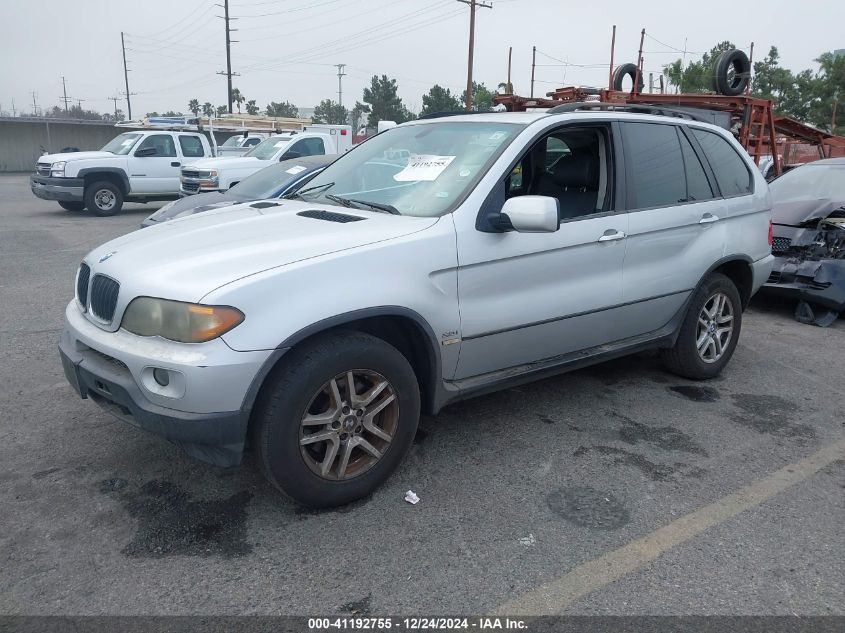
(441, 259)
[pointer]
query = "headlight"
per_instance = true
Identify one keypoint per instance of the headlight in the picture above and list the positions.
(178, 321)
(57, 169)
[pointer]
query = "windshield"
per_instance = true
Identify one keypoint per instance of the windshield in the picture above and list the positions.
(232, 141)
(265, 150)
(122, 144)
(421, 170)
(810, 182)
(265, 183)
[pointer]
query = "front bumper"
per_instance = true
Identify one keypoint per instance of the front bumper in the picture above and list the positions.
(62, 189)
(820, 282)
(207, 407)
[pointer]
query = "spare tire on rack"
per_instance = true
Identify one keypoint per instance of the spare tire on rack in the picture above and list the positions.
(627, 70)
(727, 83)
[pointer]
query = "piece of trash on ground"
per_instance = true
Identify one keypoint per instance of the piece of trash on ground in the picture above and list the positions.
(528, 541)
(412, 498)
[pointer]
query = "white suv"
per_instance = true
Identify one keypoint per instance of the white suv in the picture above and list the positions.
(441, 259)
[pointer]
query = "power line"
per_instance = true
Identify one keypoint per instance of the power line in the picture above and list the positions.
(473, 4)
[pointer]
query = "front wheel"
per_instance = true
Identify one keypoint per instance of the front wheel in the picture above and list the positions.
(72, 206)
(103, 198)
(336, 418)
(709, 332)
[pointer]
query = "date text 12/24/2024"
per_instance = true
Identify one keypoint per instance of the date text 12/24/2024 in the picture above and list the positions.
(414, 624)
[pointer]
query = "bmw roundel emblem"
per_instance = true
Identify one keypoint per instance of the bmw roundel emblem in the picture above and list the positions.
(106, 256)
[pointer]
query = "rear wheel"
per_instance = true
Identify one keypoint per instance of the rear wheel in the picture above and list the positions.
(336, 419)
(72, 206)
(103, 198)
(710, 331)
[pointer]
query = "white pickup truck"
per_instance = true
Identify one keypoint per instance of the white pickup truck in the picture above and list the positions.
(239, 145)
(140, 166)
(221, 173)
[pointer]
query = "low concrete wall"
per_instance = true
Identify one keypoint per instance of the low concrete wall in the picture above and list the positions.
(23, 139)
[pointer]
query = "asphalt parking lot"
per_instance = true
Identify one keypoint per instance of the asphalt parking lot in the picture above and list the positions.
(619, 489)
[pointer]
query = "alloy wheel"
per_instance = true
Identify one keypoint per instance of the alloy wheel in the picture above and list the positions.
(715, 327)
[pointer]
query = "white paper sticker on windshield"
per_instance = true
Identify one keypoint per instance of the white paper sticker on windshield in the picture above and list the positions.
(295, 169)
(282, 143)
(423, 167)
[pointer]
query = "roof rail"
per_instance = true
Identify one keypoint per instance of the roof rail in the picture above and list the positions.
(626, 107)
(437, 115)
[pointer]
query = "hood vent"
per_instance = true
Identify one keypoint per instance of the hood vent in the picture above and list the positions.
(264, 205)
(330, 216)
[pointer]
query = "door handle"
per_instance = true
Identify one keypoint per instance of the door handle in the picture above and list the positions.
(708, 218)
(175, 163)
(611, 235)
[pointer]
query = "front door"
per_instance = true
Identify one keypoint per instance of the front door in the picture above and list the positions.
(528, 297)
(156, 172)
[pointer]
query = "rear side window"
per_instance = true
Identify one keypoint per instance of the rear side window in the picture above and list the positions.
(309, 147)
(655, 165)
(191, 146)
(698, 186)
(731, 172)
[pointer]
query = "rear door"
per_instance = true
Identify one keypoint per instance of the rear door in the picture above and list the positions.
(157, 173)
(676, 226)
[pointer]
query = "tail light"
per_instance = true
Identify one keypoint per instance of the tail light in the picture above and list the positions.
(771, 234)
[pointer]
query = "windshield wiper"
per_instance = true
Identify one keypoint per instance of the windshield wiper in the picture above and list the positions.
(350, 202)
(298, 194)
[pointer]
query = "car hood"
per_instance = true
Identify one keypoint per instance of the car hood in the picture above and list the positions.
(52, 158)
(222, 162)
(187, 258)
(796, 213)
(192, 204)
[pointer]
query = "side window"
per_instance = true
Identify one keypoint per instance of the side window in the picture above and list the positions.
(698, 186)
(571, 165)
(252, 142)
(191, 146)
(310, 147)
(655, 167)
(731, 172)
(163, 144)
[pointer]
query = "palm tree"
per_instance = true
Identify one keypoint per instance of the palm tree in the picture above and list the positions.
(238, 98)
(194, 106)
(208, 109)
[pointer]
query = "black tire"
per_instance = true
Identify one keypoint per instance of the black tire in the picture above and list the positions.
(737, 61)
(72, 206)
(291, 390)
(99, 194)
(684, 358)
(627, 70)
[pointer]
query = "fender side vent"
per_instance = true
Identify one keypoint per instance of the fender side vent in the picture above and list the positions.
(329, 216)
(264, 205)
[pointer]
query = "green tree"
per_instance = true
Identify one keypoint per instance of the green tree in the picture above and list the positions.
(251, 108)
(697, 77)
(331, 112)
(208, 109)
(221, 110)
(283, 109)
(384, 102)
(357, 113)
(482, 98)
(194, 107)
(440, 99)
(791, 94)
(829, 93)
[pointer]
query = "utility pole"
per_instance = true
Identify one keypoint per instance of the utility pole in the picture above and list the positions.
(472, 6)
(533, 65)
(64, 91)
(229, 74)
(34, 103)
(340, 75)
(115, 99)
(126, 79)
(13, 108)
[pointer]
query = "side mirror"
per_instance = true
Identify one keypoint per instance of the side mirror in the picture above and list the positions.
(530, 214)
(290, 155)
(146, 151)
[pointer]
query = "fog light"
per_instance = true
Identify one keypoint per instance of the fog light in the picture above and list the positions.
(162, 376)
